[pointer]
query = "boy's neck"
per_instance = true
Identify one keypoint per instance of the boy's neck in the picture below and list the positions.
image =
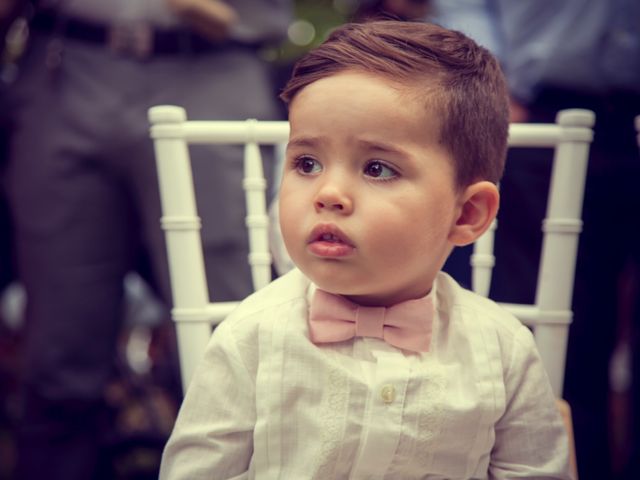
(388, 301)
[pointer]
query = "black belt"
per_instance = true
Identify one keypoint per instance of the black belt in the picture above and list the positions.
(136, 39)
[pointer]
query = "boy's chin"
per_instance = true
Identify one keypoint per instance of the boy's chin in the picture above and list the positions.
(331, 285)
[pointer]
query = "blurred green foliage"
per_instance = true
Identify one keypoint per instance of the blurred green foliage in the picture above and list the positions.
(323, 15)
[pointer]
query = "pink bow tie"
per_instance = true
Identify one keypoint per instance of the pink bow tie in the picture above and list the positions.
(407, 325)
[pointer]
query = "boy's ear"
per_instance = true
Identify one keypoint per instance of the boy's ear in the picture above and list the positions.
(478, 207)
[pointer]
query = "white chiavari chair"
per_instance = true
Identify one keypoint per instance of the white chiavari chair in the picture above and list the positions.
(549, 317)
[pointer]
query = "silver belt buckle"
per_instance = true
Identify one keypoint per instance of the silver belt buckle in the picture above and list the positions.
(133, 39)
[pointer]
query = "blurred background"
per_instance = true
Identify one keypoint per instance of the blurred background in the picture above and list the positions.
(143, 394)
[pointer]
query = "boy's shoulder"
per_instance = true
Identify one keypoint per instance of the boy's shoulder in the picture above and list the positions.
(460, 303)
(282, 293)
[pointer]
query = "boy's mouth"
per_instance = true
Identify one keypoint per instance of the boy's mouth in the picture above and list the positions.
(328, 233)
(329, 237)
(328, 241)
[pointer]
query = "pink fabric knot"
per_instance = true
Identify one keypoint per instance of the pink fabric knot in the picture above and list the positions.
(407, 325)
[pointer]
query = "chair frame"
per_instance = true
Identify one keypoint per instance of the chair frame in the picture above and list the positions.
(551, 314)
(193, 311)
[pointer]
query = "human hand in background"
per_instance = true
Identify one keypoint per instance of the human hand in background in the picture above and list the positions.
(213, 19)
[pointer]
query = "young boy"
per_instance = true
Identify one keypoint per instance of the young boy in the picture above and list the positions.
(367, 361)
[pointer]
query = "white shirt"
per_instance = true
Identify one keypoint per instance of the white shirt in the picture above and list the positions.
(267, 403)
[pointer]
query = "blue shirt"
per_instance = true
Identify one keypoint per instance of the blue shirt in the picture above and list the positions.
(584, 45)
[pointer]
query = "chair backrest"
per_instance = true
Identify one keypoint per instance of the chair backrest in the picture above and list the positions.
(194, 314)
(551, 314)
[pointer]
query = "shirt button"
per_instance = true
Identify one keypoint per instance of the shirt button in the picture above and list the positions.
(388, 394)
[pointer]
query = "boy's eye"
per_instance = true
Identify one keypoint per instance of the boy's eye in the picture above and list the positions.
(307, 165)
(378, 169)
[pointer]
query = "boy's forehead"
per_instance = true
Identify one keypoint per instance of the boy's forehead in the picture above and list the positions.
(425, 90)
(364, 111)
(357, 89)
(400, 83)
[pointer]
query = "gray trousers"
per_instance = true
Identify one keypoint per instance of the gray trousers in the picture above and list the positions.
(84, 197)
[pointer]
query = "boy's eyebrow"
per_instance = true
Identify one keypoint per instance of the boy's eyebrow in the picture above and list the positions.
(364, 144)
(303, 142)
(382, 147)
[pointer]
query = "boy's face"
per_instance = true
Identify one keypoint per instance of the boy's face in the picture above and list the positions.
(368, 199)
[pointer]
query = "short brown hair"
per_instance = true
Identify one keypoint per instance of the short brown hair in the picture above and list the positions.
(462, 80)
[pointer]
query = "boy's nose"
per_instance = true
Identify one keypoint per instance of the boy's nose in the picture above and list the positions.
(332, 198)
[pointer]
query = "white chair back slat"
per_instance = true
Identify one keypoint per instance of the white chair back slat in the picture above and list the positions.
(235, 133)
(194, 313)
(482, 261)
(534, 135)
(562, 227)
(257, 220)
(172, 133)
(181, 224)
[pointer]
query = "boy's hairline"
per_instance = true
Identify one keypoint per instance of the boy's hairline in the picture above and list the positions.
(427, 94)
(405, 55)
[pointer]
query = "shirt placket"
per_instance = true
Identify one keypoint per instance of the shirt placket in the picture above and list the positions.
(382, 423)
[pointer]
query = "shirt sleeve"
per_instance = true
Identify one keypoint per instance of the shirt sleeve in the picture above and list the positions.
(213, 434)
(531, 441)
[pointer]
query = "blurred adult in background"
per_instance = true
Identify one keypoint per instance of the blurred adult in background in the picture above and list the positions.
(8, 12)
(9, 340)
(396, 9)
(572, 54)
(83, 189)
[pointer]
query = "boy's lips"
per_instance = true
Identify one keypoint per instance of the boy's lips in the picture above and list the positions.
(327, 240)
